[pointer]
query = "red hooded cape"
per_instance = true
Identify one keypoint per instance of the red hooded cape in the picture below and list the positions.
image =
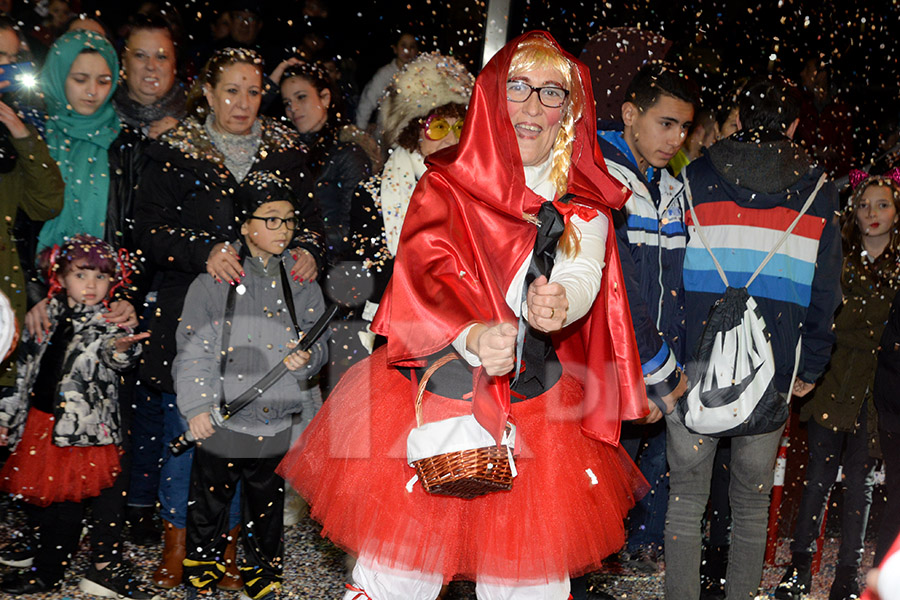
(464, 238)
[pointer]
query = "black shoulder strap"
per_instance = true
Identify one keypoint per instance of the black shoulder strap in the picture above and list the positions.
(227, 319)
(288, 297)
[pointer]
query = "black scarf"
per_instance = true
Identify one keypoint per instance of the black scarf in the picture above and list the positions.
(52, 365)
(139, 115)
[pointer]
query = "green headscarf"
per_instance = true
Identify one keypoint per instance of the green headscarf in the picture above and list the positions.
(79, 144)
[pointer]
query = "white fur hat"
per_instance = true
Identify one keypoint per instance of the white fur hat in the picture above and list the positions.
(429, 81)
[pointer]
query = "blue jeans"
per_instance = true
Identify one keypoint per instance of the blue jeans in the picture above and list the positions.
(691, 459)
(825, 456)
(647, 519)
(175, 475)
(147, 447)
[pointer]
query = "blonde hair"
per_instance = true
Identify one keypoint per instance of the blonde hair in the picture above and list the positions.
(537, 52)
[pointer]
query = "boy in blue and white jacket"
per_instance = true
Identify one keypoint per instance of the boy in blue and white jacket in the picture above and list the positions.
(656, 118)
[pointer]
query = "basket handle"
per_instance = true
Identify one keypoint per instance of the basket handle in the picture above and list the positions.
(425, 377)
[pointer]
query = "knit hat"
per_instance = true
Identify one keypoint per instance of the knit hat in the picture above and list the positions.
(429, 81)
(259, 187)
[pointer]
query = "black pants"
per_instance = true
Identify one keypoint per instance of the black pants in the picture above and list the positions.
(890, 523)
(60, 529)
(720, 504)
(220, 462)
(828, 450)
(60, 523)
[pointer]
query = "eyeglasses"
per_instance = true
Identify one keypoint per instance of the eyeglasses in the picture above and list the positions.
(244, 16)
(274, 223)
(550, 96)
(436, 128)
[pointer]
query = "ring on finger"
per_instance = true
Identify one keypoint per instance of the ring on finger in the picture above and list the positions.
(552, 312)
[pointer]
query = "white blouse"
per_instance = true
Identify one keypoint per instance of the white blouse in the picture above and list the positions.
(580, 275)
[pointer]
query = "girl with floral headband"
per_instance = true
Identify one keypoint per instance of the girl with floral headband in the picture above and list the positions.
(841, 414)
(62, 423)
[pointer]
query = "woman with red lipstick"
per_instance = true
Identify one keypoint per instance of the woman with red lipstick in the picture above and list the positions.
(185, 227)
(468, 277)
(423, 112)
(842, 418)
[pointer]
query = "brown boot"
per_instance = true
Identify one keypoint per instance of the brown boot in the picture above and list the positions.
(168, 574)
(231, 581)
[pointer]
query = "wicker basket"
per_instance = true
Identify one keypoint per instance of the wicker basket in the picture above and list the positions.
(467, 473)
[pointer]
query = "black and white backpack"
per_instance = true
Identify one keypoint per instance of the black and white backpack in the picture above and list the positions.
(734, 391)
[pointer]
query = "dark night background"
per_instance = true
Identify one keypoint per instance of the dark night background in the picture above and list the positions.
(724, 39)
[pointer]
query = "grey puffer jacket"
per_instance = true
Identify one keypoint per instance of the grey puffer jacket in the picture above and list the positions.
(261, 328)
(86, 403)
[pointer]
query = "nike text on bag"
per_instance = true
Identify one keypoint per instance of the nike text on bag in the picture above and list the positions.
(734, 392)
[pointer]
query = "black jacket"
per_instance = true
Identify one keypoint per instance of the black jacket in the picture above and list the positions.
(337, 167)
(127, 161)
(185, 208)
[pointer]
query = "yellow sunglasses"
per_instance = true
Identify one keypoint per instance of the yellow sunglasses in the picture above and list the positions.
(436, 128)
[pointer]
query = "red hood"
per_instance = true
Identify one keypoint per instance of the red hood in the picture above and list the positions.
(464, 238)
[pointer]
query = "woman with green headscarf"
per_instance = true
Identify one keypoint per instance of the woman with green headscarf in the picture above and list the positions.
(93, 151)
(78, 80)
(86, 140)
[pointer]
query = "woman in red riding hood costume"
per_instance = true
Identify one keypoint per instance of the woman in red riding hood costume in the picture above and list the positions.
(543, 339)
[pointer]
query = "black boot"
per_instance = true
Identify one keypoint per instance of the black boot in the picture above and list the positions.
(845, 586)
(579, 590)
(712, 573)
(144, 528)
(26, 582)
(21, 550)
(797, 579)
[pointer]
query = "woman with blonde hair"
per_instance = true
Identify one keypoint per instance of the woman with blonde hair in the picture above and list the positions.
(536, 333)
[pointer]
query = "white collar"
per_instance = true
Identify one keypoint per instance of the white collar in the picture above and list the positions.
(537, 178)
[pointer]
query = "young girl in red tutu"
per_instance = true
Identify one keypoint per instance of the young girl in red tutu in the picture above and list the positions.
(541, 336)
(61, 421)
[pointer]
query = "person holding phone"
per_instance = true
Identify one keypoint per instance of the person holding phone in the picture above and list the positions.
(29, 181)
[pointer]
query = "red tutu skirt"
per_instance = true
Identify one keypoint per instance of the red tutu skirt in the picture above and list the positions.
(563, 516)
(41, 473)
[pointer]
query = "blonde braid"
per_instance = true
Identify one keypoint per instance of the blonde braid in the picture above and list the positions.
(562, 155)
(570, 240)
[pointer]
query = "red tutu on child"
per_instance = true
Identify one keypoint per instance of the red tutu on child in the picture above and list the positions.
(563, 516)
(42, 473)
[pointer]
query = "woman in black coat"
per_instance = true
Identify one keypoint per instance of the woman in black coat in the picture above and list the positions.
(185, 226)
(338, 159)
